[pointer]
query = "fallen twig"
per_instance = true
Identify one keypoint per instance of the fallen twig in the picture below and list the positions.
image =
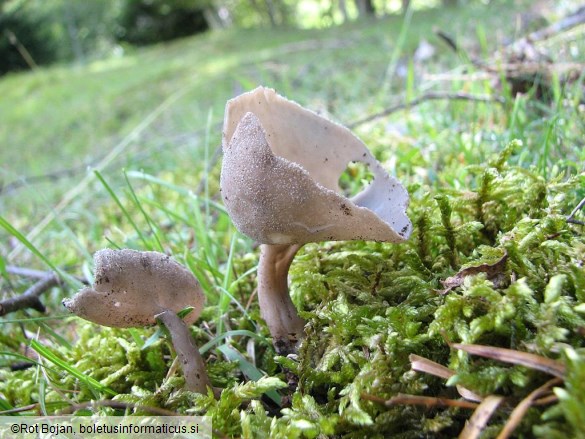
(532, 361)
(30, 298)
(431, 96)
(27, 272)
(25, 408)
(475, 425)
(574, 19)
(421, 364)
(571, 218)
(518, 413)
(427, 401)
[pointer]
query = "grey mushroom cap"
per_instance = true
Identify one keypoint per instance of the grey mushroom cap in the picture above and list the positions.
(280, 173)
(131, 287)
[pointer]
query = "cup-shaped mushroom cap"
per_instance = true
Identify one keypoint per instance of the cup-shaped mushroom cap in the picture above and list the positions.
(131, 287)
(280, 174)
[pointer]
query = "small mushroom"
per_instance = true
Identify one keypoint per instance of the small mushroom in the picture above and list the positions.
(279, 183)
(133, 289)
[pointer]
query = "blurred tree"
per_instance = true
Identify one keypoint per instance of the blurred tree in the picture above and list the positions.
(150, 21)
(366, 8)
(343, 10)
(24, 42)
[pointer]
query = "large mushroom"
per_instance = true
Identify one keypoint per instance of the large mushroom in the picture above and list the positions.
(134, 289)
(279, 183)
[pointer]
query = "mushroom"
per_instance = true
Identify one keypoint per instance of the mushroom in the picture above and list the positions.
(133, 289)
(279, 183)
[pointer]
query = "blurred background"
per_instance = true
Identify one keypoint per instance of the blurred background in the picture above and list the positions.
(37, 32)
(136, 89)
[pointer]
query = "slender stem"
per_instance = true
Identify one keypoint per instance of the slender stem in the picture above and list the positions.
(196, 379)
(276, 305)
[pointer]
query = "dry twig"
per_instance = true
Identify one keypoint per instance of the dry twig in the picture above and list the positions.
(518, 413)
(571, 218)
(481, 417)
(30, 298)
(421, 364)
(426, 401)
(431, 96)
(532, 361)
(119, 405)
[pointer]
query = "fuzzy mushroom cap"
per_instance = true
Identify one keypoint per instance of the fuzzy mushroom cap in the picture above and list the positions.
(131, 287)
(280, 173)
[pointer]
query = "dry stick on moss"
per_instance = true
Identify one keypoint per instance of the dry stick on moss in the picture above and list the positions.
(574, 19)
(30, 298)
(427, 401)
(37, 274)
(571, 218)
(421, 364)
(117, 405)
(532, 361)
(475, 425)
(431, 96)
(518, 413)
(25, 408)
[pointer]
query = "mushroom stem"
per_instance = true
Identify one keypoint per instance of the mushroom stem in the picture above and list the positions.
(276, 306)
(196, 379)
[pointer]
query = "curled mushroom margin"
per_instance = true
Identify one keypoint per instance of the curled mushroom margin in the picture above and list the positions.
(133, 289)
(279, 183)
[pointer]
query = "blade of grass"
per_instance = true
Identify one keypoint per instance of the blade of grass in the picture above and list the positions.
(248, 369)
(53, 358)
(4, 406)
(206, 161)
(225, 293)
(24, 359)
(178, 189)
(42, 396)
(14, 232)
(233, 333)
(394, 58)
(61, 340)
(121, 206)
(24, 241)
(226, 297)
(35, 319)
(144, 214)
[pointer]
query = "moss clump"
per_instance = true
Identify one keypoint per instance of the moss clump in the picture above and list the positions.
(371, 305)
(520, 285)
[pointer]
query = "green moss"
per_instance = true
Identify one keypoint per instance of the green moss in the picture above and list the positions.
(368, 307)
